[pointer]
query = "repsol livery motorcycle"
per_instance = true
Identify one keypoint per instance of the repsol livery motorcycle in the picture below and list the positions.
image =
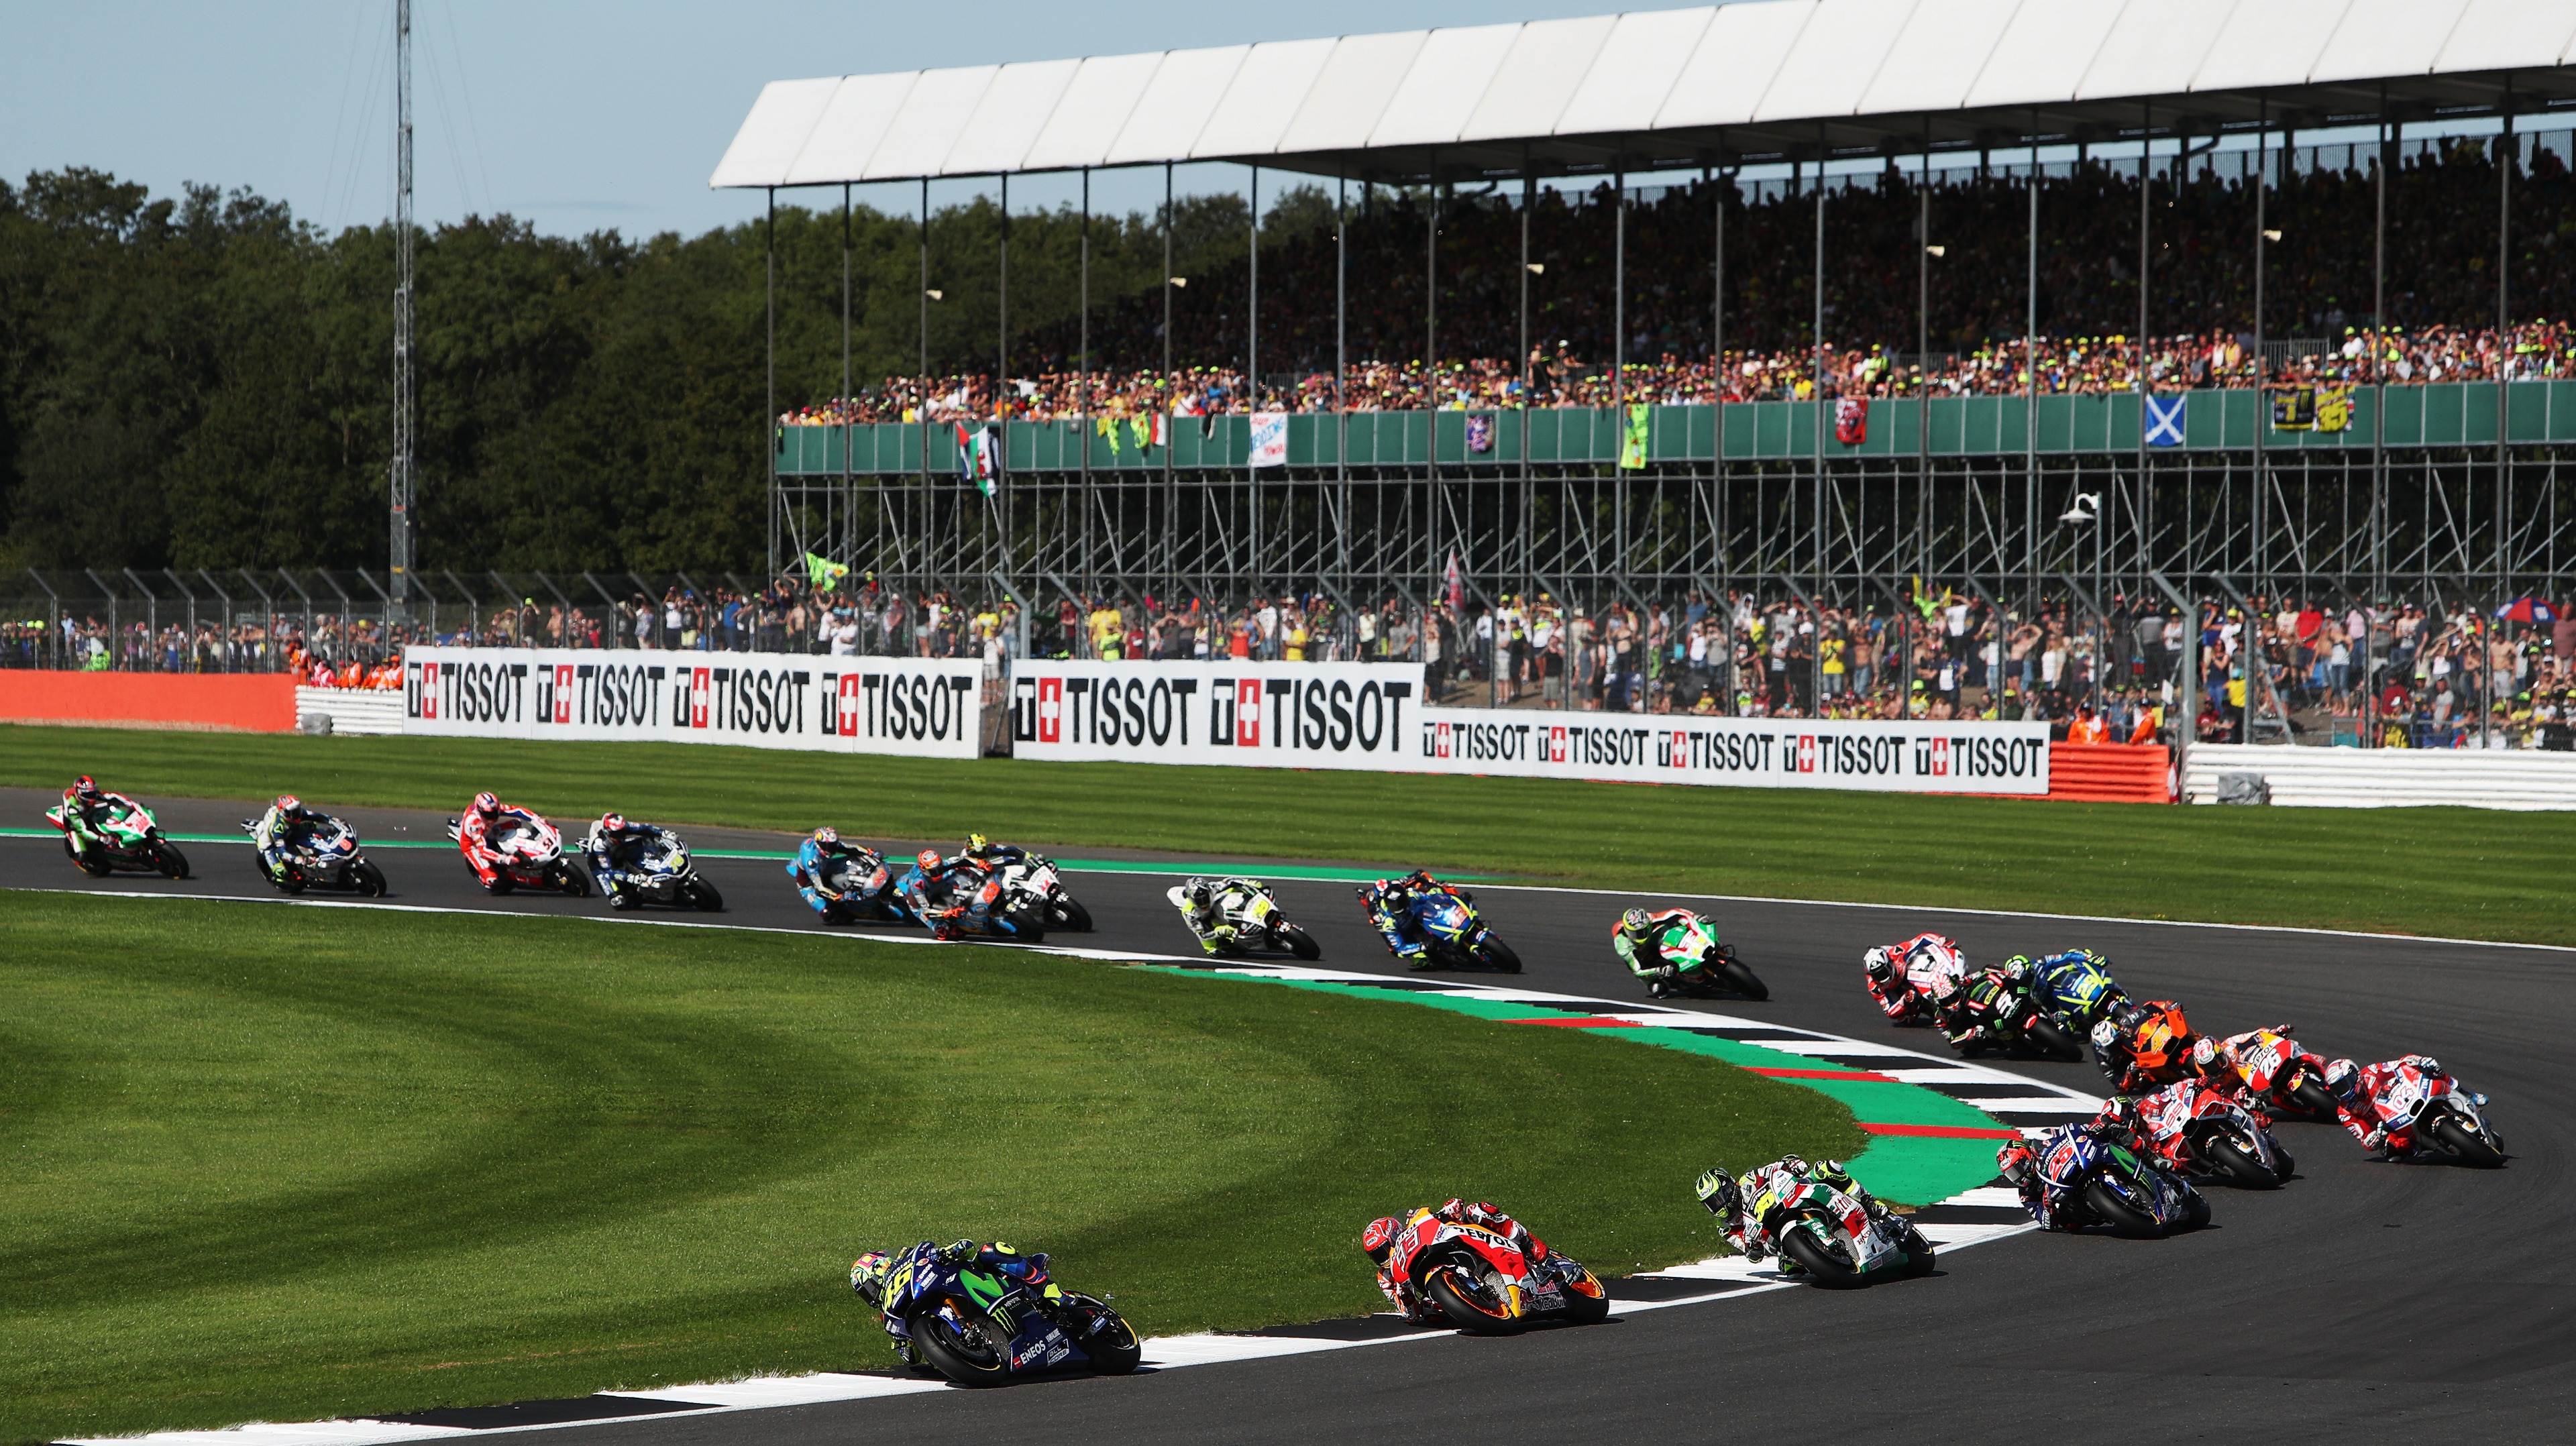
(1032, 885)
(1248, 920)
(2276, 1074)
(1703, 964)
(981, 1321)
(122, 834)
(1480, 1282)
(519, 851)
(2196, 1129)
(316, 851)
(1826, 1237)
(2111, 1185)
(652, 869)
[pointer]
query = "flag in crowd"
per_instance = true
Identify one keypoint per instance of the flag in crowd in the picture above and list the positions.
(979, 456)
(1632, 448)
(821, 573)
(2164, 421)
(1269, 439)
(1851, 421)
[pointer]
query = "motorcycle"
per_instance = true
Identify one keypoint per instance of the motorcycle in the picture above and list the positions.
(980, 1327)
(2075, 989)
(849, 886)
(2199, 1131)
(2018, 1020)
(123, 836)
(319, 851)
(991, 911)
(2278, 1076)
(521, 851)
(1827, 1237)
(2113, 1186)
(659, 873)
(1247, 906)
(1479, 1281)
(1703, 964)
(2430, 1115)
(1453, 935)
(1031, 882)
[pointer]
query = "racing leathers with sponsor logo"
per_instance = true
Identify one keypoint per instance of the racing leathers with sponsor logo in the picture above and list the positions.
(619, 842)
(1379, 1240)
(1910, 980)
(1732, 1200)
(485, 818)
(1205, 908)
(868, 1274)
(1979, 1013)
(2143, 1046)
(991, 855)
(2050, 1195)
(944, 891)
(2359, 1091)
(1389, 904)
(1638, 939)
(286, 818)
(88, 805)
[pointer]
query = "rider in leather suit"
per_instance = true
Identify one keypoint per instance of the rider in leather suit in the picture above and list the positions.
(1731, 1199)
(1389, 904)
(1379, 1239)
(2139, 1048)
(1910, 979)
(2357, 1088)
(2023, 1164)
(1636, 937)
(945, 892)
(1974, 1015)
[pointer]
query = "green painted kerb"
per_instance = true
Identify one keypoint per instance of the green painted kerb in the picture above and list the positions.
(1908, 1169)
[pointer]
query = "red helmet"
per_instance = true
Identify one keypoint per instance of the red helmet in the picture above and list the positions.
(2014, 1160)
(1380, 1237)
(927, 858)
(486, 803)
(85, 787)
(612, 822)
(288, 803)
(827, 835)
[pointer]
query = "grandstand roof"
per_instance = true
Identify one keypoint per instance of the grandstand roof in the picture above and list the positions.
(1758, 80)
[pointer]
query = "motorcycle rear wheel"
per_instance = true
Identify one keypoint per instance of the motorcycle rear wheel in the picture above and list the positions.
(1300, 943)
(2241, 1168)
(1740, 979)
(2052, 1037)
(2464, 1145)
(2311, 1095)
(2123, 1218)
(1465, 1306)
(1824, 1267)
(969, 1358)
(1499, 954)
(288, 881)
(369, 879)
(171, 863)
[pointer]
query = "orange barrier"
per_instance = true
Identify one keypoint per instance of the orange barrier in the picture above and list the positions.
(226, 702)
(2110, 772)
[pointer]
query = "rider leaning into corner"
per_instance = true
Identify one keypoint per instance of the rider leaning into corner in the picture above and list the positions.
(286, 817)
(991, 855)
(620, 841)
(1908, 979)
(2357, 1088)
(483, 817)
(86, 802)
(1203, 909)
(1389, 903)
(1636, 937)
(1730, 1199)
(2146, 1046)
(945, 893)
(2024, 1166)
(1379, 1240)
(868, 1273)
(1976, 1014)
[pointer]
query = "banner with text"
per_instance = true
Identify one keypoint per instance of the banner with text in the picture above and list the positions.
(1887, 757)
(1228, 712)
(924, 707)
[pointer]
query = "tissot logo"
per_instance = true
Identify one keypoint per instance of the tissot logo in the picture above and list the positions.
(1213, 713)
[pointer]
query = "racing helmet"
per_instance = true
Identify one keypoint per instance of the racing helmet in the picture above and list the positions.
(288, 803)
(1197, 890)
(1719, 1192)
(868, 1276)
(928, 859)
(1794, 1164)
(612, 822)
(2120, 1110)
(2014, 1161)
(2017, 968)
(486, 803)
(827, 836)
(2343, 1077)
(976, 843)
(1878, 964)
(1633, 920)
(2204, 1054)
(1380, 1237)
(85, 788)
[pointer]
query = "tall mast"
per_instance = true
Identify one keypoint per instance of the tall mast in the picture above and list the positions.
(399, 554)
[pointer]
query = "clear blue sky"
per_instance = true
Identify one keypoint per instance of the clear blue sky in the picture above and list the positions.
(578, 115)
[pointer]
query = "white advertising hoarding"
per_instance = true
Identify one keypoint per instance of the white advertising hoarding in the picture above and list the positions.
(923, 707)
(1223, 713)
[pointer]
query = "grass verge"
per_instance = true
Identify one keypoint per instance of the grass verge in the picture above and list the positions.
(2470, 873)
(286, 1164)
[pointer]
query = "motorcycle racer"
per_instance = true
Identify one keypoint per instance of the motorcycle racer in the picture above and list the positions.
(89, 803)
(616, 847)
(486, 816)
(942, 891)
(990, 854)
(1379, 1239)
(872, 1272)
(1203, 909)
(286, 815)
(2052, 1201)
(1978, 1014)
(2075, 982)
(1910, 980)
(1638, 936)
(1389, 905)
(2143, 1046)
(1730, 1199)
(2359, 1091)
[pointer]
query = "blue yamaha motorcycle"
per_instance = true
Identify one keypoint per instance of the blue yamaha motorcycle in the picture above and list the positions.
(2111, 1185)
(982, 1319)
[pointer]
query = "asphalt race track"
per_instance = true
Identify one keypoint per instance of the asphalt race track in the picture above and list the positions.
(2365, 1301)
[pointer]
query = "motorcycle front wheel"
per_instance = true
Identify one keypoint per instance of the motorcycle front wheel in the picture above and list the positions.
(1113, 1347)
(1825, 1266)
(2052, 1037)
(704, 896)
(1465, 1304)
(574, 881)
(1300, 943)
(1586, 1309)
(171, 863)
(970, 1355)
(2311, 1095)
(369, 878)
(1069, 913)
(2123, 1217)
(1740, 979)
(2465, 1145)
(2242, 1167)
(1499, 954)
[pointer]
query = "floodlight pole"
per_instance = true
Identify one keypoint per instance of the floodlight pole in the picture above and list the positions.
(996, 501)
(1082, 380)
(1341, 383)
(1922, 391)
(1619, 306)
(2146, 261)
(2262, 394)
(1529, 200)
(1816, 497)
(1171, 494)
(401, 479)
(2507, 155)
(921, 384)
(2378, 418)
(1252, 312)
(2030, 385)
(770, 432)
(849, 545)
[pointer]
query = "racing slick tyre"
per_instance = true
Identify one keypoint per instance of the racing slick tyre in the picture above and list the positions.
(171, 863)
(369, 879)
(2195, 1211)
(574, 881)
(975, 1354)
(501, 885)
(618, 899)
(1070, 914)
(1113, 1348)
(2241, 1168)
(1300, 943)
(1825, 1267)
(1466, 1305)
(2311, 1095)
(288, 882)
(2123, 1217)
(92, 862)
(2464, 1145)
(1582, 1309)
(1740, 979)
(2053, 1039)
(1499, 955)
(703, 896)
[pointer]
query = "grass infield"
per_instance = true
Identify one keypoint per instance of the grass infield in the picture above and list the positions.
(2468, 873)
(285, 1164)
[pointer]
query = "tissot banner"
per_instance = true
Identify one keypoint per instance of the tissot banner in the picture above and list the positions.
(1244, 714)
(925, 707)
(1891, 757)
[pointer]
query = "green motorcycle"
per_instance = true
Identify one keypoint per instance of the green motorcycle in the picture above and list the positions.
(123, 835)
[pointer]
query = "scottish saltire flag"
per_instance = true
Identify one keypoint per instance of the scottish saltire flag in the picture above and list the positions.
(1269, 439)
(2164, 421)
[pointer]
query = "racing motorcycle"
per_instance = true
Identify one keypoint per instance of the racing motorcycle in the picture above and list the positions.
(1827, 1237)
(1480, 1282)
(522, 852)
(2110, 1184)
(981, 1326)
(1033, 886)
(1247, 906)
(2075, 989)
(1703, 964)
(851, 885)
(2199, 1131)
(2428, 1115)
(1453, 935)
(123, 836)
(2018, 1020)
(2278, 1076)
(991, 911)
(659, 873)
(316, 851)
